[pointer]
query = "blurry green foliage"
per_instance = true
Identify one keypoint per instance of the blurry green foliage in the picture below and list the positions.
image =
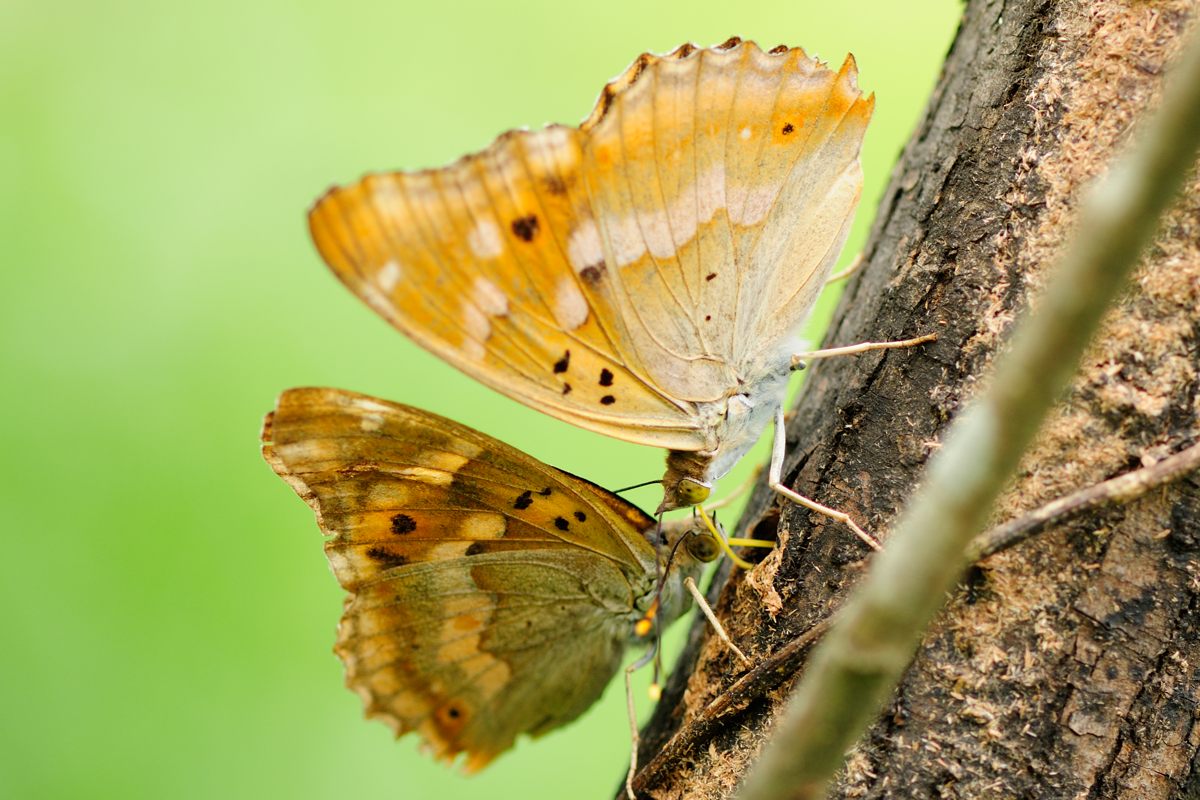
(169, 614)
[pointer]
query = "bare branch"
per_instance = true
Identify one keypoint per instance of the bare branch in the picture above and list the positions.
(1120, 489)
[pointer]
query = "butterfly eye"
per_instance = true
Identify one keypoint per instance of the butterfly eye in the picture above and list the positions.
(702, 547)
(691, 492)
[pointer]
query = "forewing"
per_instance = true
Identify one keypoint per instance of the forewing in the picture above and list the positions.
(489, 593)
(474, 262)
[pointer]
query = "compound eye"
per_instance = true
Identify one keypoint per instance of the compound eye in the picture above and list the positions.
(691, 492)
(702, 547)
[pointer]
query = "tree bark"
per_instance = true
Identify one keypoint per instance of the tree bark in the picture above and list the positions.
(1067, 667)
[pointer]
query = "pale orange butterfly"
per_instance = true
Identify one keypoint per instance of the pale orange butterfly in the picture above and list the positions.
(642, 275)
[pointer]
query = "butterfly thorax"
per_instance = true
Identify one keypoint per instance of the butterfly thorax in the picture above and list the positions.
(735, 423)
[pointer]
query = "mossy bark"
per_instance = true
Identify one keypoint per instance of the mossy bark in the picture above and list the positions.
(1067, 667)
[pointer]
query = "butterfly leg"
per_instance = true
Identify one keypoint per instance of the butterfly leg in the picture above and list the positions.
(800, 359)
(706, 609)
(774, 480)
(854, 267)
(646, 658)
(727, 542)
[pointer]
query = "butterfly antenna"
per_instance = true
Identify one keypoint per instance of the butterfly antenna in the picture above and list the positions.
(659, 539)
(637, 486)
(655, 689)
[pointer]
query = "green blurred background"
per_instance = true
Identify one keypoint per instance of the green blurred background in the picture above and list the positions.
(169, 614)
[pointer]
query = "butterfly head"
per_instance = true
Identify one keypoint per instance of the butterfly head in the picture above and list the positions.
(686, 482)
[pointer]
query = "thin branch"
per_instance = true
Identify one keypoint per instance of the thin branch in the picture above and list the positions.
(856, 667)
(1120, 489)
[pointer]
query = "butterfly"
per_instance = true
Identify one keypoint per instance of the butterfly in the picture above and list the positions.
(489, 594)
(641, 275)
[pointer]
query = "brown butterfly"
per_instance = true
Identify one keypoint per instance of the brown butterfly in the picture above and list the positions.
(489, 594)
(642, 275)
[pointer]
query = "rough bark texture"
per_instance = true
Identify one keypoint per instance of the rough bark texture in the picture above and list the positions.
(1067, 667)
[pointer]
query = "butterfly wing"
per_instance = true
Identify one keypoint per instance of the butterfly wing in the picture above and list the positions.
(709, 172)
(469, 660)
(617, 274)
(483, 263)
(489, 593)
(793, 218)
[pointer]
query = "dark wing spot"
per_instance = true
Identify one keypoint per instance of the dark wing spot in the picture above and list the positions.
(729, 44)
(582, 517)
(778, 50)
(708, 317)
(524, 500)
(561, 365)
(554, 185)
(545, 492)
(561, 523)
(605, 377)
(607, 400)
(402, 524)
(566, 388)
(592, 274)
(710, 276)
(476, 548)
(525, 228)
(788, 128)
(387, 557)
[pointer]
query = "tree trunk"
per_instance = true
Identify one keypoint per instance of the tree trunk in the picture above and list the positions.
(1070, 665)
